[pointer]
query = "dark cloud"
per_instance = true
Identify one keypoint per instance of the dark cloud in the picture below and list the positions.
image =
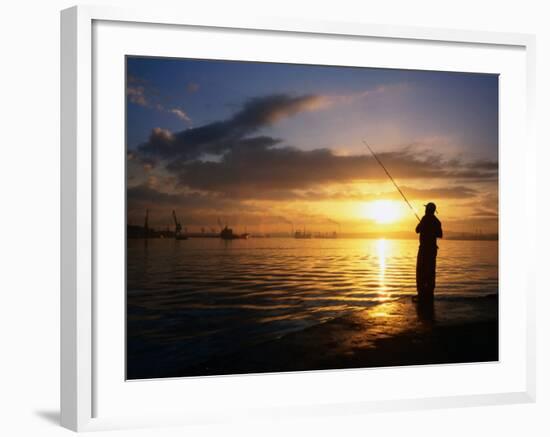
(247, 172)
(144, 195)
(221, 136)
(224, 158)
(141, 159)
(484, 165)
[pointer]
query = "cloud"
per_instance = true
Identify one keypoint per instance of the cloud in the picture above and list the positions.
(340, 193)
(225, 158)
(281, 219)
(485, 165)
(141, 93)
(146, 194)
(251, 171)
(484, 213)
(221, 136)
(180, 114)
(456, 192)
(374, 92)
(235, 132)
(202, 209)
(246, 164)
(262, 111)
(487, 200)
(136, 94)
(134, 157)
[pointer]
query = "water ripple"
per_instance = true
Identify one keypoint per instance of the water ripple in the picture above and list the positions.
(194, 298)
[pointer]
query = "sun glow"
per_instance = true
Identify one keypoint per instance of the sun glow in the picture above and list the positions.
(382, 211)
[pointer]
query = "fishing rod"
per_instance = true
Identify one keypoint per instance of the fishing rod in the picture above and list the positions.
(389, 175)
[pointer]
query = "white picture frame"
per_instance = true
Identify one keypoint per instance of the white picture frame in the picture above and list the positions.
(79, 167)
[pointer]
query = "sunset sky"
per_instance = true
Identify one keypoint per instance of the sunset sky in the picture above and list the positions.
(271, 146)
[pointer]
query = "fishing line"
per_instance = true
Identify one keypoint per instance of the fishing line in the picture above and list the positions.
(389, 175)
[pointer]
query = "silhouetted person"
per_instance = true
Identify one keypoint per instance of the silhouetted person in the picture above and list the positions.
(429, 229)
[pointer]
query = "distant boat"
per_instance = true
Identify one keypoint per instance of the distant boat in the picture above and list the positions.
(227, 234)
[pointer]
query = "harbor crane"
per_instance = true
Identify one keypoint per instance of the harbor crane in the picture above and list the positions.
(178, 235)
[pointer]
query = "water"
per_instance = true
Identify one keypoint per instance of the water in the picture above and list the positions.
(191, 300)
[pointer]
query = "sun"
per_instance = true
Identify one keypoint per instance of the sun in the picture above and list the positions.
(382, 211)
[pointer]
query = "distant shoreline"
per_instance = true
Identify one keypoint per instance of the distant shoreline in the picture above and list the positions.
(138, 232)
(343, 237)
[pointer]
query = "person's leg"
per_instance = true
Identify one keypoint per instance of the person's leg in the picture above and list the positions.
(434, 271)
(419, 273)
(430, 273)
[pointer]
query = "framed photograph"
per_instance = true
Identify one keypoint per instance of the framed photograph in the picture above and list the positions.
(273, 218)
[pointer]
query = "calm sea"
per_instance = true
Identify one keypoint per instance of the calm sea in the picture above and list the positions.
(190, 300)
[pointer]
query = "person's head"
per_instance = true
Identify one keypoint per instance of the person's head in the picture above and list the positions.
(430, 208)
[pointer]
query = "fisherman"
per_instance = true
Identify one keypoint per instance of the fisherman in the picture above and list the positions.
(429, 229)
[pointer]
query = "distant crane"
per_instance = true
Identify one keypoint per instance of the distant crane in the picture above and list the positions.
(178, 235)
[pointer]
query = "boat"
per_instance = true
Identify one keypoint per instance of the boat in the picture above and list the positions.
(228, 234)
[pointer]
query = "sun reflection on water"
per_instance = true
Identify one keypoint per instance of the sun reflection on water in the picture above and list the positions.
(382, 253)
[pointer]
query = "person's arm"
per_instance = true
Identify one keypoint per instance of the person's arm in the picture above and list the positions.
(439, 230)
(419, 226)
